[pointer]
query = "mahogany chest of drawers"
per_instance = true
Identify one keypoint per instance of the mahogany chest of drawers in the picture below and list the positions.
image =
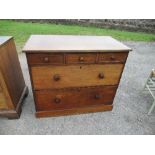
(74, 74)
(12, 85)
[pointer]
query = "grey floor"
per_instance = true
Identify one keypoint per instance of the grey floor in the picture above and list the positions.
(129, 115)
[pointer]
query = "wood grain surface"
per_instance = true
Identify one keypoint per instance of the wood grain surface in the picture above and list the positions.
(44, 59)
(75, 76)
(81, 58)
(111, 57)
(75, 111)
(3, 104)
(61, 43)
(5, 98)
(11, 77)
(12, 73)
(74, 98)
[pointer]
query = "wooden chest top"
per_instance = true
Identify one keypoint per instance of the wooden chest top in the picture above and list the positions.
(70, 43)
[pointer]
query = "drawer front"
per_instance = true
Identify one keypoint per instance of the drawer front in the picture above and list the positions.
(48, 77)
(112, 57)
(80, 58)
(75, 98)
(45, 59)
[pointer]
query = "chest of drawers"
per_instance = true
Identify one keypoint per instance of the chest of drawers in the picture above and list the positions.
(74, 74)
(12, 85)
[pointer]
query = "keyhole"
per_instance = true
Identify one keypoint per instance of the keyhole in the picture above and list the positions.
(80, 67)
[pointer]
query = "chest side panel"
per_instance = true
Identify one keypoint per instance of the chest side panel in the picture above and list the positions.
(10, 67)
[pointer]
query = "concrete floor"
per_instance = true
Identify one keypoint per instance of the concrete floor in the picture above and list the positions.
(129, 115)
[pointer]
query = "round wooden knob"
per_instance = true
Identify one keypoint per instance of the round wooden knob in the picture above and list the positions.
(57, 99)
(46, 59)
(98, 96)
(112, 57)
(78, 89)
(56, 77)
(101, 75)
(81, 58)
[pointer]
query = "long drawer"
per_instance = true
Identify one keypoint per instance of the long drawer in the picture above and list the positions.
(51, 77)
(74, 98)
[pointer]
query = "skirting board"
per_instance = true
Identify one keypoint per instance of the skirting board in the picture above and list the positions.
(74, 111)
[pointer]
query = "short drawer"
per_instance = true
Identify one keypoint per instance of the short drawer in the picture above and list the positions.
(49, 77)
(80, 58)
(112, 57)
(45, 59)
(74, 98)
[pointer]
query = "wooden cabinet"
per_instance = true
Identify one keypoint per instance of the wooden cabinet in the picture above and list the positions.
(12, 85)
(74, 74)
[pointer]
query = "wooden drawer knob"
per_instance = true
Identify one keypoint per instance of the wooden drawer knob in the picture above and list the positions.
(81, 58)
(112, 57)
(56, 77)
(57, 99)
(101, 75)
(98, 96)
(46, 59)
